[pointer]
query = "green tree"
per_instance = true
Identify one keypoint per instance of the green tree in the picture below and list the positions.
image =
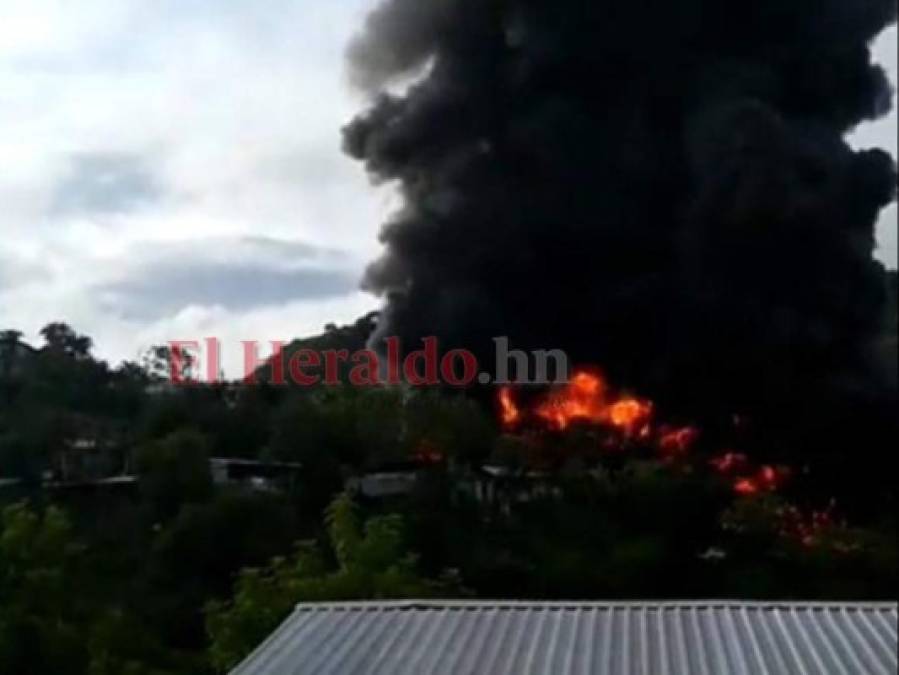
(39, 626)
(160, 361)
(197, 555)
(371, 562)
(453, 425)
(10, 337)
(336, 429)
(174, 471)
(63, 339)
(10, 344)
(121, 644)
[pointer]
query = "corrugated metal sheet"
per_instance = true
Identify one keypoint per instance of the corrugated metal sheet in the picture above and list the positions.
(525, 638)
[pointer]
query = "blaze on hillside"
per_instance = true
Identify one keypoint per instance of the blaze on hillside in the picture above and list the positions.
(662, 189)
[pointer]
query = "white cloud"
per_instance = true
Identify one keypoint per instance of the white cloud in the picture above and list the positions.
(883, 134)
(264, 326)
(132, 131)
(236, 274)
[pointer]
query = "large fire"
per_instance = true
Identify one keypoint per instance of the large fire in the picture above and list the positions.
(588, 399)
(625, 422)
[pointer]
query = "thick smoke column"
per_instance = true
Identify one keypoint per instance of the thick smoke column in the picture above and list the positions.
(659, 188)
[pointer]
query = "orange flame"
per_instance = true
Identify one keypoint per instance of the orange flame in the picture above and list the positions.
(630, 414)
(766, 479)
(586, 399)
(509, 412)
(675, 442)
(582, 399)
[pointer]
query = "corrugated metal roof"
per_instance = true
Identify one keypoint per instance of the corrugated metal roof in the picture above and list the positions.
(577, 638)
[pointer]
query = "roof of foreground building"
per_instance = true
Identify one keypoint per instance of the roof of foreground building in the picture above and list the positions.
(568, 638)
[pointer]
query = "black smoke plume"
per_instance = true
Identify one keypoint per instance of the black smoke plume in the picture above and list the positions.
(661, 188)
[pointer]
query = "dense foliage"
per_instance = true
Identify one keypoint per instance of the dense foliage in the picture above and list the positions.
(176, 573)
(370, 562)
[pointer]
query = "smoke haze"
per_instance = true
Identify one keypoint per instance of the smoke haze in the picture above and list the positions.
(660, 188)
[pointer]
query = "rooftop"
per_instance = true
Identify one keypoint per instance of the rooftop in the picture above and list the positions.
(568, 638)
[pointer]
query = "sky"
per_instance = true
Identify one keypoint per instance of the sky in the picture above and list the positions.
(171, 170)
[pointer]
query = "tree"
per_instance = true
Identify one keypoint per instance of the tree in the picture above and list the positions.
(337, 428)
(174, 471)
(10, 347)
(120, 644)
(352, 338)
(371, 562)
(39, 632)
(61, 338)
(10, 342)
(198, 554)
(452, 425)
(22, 456)
(10, 336)
(161, 361)
(131, 372)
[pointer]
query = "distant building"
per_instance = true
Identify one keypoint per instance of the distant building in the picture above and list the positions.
(501, 487)
(394, 479)
(380, 484)
(254, 475)
(124, 485)
(491, 485)
(581, 638)
(89, 458)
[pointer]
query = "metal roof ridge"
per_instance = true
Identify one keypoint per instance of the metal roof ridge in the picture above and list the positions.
(430, 604)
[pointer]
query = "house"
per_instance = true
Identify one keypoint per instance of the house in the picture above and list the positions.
(384, 483)
(393, 479)
(253, 474)
(86, 459)
(581, 638)
(500, 487)
(124, 485)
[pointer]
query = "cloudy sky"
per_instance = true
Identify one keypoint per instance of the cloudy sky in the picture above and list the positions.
(172, 170)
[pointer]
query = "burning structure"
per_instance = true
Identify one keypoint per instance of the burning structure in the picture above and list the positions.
(629, 423)
(663, 191)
